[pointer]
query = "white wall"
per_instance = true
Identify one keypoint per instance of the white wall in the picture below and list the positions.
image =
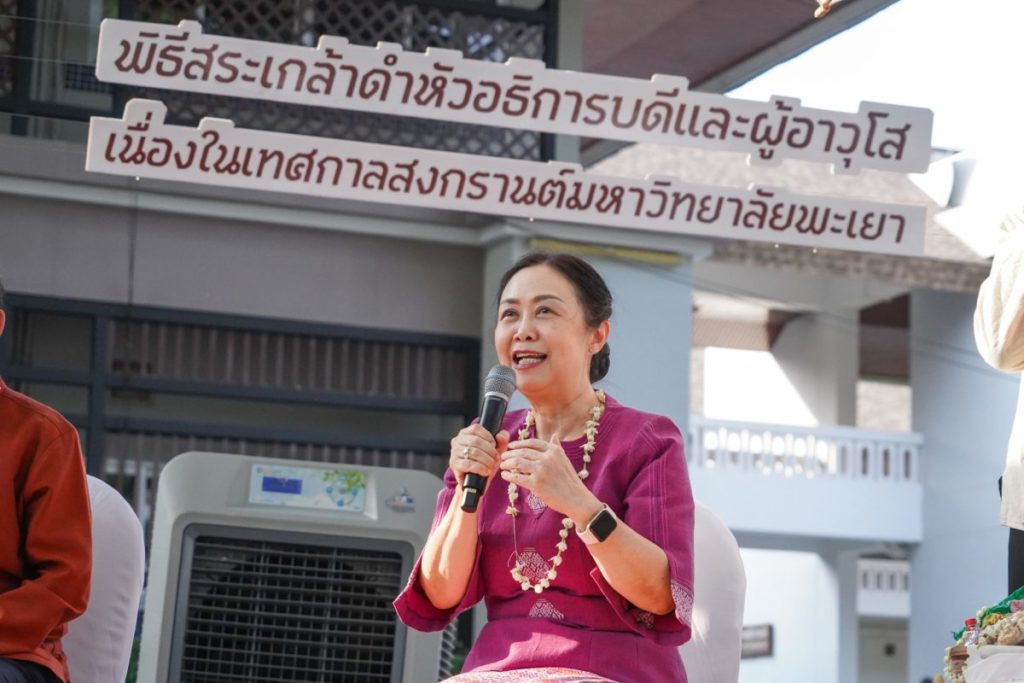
(819, 355)
(65, 249)
(737, 384)
(650, 339)
(795, 592)
(751, 386)
(964, 410)
(858, 510)
(884, 405)
(875, 665)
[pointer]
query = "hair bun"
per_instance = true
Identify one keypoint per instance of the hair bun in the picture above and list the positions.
(600, 364)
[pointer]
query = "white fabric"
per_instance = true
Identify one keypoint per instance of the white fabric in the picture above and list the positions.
(712, 655)
(1000, 668)
(999, 333)
(98, 643)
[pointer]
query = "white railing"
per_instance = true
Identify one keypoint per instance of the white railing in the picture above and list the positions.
(883, 588)
(779, 450)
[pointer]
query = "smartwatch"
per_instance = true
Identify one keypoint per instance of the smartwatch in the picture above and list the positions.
(600, 527)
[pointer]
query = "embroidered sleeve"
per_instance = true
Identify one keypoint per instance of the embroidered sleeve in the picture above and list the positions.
(659, 506)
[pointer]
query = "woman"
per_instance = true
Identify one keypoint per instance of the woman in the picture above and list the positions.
(582, 544)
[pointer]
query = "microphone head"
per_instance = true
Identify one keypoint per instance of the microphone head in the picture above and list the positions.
(501, 380)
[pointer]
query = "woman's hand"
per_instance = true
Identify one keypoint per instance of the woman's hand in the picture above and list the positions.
(543, 468)
(475, 450)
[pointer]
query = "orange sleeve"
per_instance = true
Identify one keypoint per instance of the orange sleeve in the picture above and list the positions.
(57, 541)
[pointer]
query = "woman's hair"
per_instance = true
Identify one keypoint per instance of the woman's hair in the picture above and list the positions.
(591, 290)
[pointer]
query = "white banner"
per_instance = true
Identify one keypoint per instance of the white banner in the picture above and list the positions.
(217, 153)
(521, 93)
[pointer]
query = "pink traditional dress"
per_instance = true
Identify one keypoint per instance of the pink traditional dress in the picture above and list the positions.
(579, 629)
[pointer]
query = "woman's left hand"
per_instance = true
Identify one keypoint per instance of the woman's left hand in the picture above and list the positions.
(543, 468)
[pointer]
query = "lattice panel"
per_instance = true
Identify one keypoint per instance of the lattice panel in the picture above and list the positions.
(8, 9)
(417, 28)
(362, 22)
(278, 22)
(290, 361)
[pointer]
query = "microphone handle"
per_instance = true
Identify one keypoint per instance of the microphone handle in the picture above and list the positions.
(492, 413)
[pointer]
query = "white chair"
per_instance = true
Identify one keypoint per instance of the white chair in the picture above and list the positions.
(712, 655)
(98, 644)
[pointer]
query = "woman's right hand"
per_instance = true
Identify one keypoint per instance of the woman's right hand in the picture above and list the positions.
(475, 450)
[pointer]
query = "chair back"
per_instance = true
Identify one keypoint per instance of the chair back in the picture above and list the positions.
(98, 643)
(712, 655)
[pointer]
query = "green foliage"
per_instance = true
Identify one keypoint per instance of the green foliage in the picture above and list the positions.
(133, 662)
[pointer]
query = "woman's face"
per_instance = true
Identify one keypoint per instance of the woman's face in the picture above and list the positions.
(542, 332)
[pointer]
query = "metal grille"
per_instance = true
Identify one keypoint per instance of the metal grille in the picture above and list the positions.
(82, 77)
(269, 611)
(449, 643)
(287, 360)
(149, 363)
(363, 22)
(8, 9)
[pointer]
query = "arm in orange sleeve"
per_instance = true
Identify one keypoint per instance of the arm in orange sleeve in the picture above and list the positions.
(57, 542)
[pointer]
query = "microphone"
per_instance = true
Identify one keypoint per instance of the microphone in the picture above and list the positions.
(498, 389)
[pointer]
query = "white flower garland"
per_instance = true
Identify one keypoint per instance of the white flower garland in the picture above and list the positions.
(563, 533)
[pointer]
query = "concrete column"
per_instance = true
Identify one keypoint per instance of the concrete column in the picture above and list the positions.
(570, 57)
(819, 354)
(807, 590)
(964, 410)
(498, 257)
(651, 335)
(844, 574)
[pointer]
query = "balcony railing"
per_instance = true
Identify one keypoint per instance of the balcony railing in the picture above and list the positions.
(883, 588)
(785, 451)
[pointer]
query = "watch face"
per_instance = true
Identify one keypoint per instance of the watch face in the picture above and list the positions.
(603, 525)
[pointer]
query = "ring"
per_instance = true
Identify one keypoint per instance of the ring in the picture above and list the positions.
(465, 452)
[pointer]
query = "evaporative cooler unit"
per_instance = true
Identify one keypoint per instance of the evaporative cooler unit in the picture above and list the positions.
(266, 570)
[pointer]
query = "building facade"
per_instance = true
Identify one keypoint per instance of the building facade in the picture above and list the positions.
(165, 317)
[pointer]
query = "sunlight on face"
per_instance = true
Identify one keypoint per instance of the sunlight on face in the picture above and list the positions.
(542, 333)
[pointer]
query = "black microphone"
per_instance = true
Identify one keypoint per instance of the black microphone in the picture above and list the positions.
(498, 389)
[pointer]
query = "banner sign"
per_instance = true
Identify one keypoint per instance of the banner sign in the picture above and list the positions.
(521, 93)
(216, 153)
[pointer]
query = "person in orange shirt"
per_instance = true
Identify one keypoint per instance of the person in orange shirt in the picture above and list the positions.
(45, 536)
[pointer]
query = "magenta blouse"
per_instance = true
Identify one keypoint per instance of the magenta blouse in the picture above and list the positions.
(580, 622)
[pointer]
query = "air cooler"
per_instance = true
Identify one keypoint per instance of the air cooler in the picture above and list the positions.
(265, 570)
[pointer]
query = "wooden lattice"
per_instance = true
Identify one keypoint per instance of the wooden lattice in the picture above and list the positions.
(8, 9)
(363, 22)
